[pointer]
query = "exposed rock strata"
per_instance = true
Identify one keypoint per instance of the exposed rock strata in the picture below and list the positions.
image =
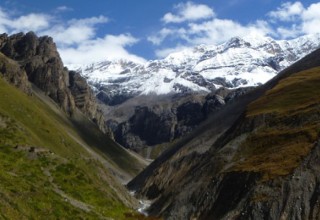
(38, 59)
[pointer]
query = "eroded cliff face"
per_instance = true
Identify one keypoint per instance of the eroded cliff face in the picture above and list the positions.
(12, 72)
(263, 164)
(85, 100)
(38, 59)
(160, 121)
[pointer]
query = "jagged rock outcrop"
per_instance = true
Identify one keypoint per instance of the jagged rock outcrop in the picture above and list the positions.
(85, 99)
(39, 59)
(12, 72)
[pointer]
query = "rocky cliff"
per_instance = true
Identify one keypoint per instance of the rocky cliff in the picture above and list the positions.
(12, 72)
(40, 61)
(156, 121)
(260, 163)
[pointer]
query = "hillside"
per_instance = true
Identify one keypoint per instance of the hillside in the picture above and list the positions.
(262, 163)
(54, 165)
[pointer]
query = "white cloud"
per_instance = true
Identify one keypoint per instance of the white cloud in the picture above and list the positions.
(211, 32)
(34, 22)
(75, 31)
(158, 38)
(63, 8)
(161, 53)
(200, 26)
(188, 11)
(110, 47)
(30, 22)
(311, 19)
(208, 32)
(288, 11)
(220, 30)
(299, 20)
(76, 39)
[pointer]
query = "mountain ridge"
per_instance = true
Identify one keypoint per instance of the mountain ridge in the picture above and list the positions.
(257, 167)
(239, 62)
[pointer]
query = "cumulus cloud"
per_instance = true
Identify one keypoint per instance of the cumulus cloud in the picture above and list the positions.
(32, 21)
(220, 30)
(288, 11)
(158, 38)
(214, 31)
(297, 19)
(77, 39)
(211, 30)
(75, 31)
(111, 47)
(188, 11)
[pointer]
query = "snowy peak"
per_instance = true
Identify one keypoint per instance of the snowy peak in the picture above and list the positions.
(239, 62)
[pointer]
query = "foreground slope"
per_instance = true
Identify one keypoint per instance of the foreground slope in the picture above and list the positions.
(262, 163)
(53, 165)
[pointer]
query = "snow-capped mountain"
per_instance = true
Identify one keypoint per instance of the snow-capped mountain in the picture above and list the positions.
(239, 62)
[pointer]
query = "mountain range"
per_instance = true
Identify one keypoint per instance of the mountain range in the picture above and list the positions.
(179, 92)
(255, 158)
(248, 150)
(239, 62)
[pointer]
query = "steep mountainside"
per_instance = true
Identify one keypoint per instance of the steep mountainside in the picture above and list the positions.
(260, 163)
(54, 165)
(39, 58)
(187, 81)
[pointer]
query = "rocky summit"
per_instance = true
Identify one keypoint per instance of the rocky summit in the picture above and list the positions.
(39, 59)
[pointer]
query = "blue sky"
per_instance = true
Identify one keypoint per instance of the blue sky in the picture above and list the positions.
(87, 31)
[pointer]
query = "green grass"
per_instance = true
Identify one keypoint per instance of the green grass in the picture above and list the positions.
(25, 192)
(290, 130)
(29, 181)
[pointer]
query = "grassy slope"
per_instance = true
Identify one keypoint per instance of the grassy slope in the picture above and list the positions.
(123, 162)
(63, 181)
(291, 128)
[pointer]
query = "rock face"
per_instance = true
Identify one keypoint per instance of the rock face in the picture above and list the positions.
(42, 63)
(262, 162)
(85, 99)
(163, 121)
(39, 59)
(12, 72)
